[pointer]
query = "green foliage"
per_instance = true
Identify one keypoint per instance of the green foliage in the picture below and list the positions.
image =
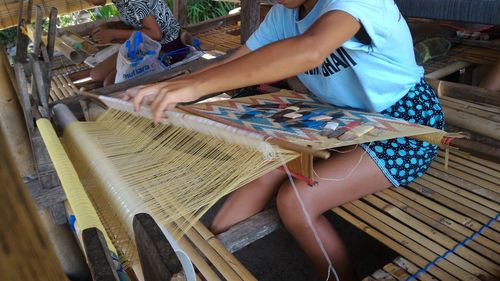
(202, 10)
(8, 36)
(105, 12)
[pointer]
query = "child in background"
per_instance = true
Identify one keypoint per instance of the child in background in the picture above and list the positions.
(152, 17)
(349, 53)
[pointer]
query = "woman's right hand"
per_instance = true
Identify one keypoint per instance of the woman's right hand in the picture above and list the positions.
(164, 96)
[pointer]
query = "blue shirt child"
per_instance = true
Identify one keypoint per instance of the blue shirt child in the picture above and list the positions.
(369, 77)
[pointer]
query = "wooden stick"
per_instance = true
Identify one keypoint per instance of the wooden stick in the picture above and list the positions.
(212, 256)
(223, 252)
(447, 70)
(197, 260)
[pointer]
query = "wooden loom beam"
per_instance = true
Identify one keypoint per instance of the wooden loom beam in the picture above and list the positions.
(158, 259)
(99, 259)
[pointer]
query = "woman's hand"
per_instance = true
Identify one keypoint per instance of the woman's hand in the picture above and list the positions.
(103, 35)
(164, 95)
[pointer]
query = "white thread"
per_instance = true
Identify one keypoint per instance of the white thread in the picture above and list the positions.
(344, 151)
(349, 174)
(331, 268)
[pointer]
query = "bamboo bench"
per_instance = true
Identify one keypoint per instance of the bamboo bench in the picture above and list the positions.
(432, 215)
(420, 222)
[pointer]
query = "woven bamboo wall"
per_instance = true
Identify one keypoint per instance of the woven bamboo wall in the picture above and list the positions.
(9, 9)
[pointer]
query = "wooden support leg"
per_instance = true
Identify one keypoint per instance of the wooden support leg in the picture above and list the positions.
(99, 258)
(250, 17)
(158, 259)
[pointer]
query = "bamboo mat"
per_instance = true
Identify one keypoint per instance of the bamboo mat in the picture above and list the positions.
(433, 214)
(61, 86)
(223, 38)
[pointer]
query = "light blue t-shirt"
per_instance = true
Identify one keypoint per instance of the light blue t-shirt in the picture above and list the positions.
(368, 77)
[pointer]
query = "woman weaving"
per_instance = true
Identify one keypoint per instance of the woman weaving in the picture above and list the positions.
(350, 53)
(152, 17)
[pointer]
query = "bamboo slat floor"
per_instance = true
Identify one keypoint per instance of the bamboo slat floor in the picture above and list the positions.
(223, 38)
(430, 216)
(61, 86)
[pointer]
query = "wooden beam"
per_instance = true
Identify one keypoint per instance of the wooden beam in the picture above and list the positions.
(447, 70)
(465, 92)
(26, 252)
(158, 260)
(250, 18)
(181, 11)
(250, 230)
(99, 258)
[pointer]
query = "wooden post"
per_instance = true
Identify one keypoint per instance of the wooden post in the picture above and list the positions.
(99, 258)
(51, 37)
(26, 252)
(250, 17)
(158, 259)
(180, 11)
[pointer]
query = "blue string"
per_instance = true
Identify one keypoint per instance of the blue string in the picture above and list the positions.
(454, 249)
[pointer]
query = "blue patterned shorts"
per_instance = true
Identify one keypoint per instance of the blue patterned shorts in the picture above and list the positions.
(404, 159)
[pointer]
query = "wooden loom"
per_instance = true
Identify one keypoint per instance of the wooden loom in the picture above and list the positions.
(89, 157)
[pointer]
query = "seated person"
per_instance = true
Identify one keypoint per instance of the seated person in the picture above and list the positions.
(152, 17)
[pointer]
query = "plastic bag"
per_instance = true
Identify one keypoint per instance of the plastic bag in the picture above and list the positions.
(137, 57)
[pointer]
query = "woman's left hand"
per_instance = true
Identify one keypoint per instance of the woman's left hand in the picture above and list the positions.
(164, 95)
(103, 35)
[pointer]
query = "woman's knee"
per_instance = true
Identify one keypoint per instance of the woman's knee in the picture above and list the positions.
(290, 207)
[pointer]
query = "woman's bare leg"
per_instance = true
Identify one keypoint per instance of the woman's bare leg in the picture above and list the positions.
(247, 201)
(366, 179)
(103, 70)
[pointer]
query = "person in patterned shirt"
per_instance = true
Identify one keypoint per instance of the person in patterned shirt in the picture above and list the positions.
(152, 17)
